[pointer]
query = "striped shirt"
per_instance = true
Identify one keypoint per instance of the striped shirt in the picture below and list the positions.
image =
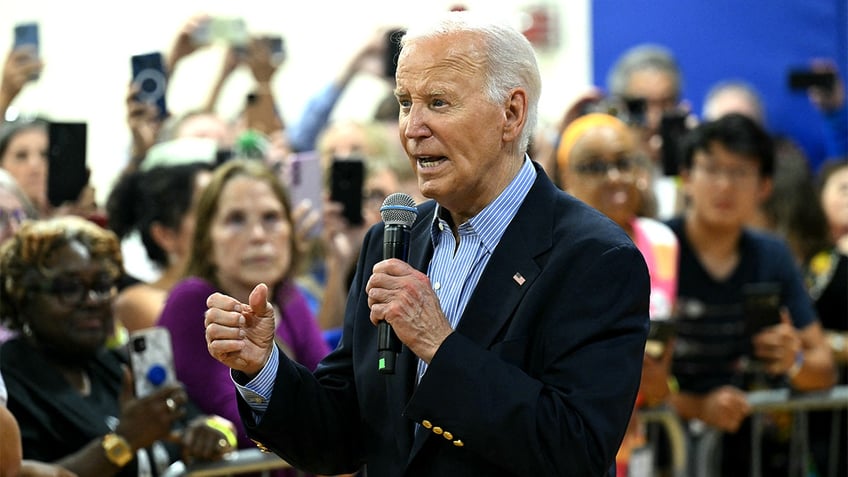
(454, 272)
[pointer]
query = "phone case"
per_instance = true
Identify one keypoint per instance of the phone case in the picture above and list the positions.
(347, 177)
(26, 35)
(151, 360)
(148, 72)
(67, 161)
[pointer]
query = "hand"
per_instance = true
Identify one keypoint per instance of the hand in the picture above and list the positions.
(260, 60)
(20, 67)
(146, 420)
(832, 99)
(655, 375)
(725, 408)
(184, 44)
(202, 441)
(341, 240)
(402, 296)
(240, 335)
(143, 121)
(778, 345)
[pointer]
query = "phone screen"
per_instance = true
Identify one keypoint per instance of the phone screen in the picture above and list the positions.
(799, 80)
(672, 129)
(148, 72)
(26, 35)
(761, 305)
(68, 172)
(347, 177)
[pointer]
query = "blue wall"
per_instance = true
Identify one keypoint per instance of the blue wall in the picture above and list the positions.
(714, 40)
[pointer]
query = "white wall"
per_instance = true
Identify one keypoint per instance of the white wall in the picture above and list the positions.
(86, 45)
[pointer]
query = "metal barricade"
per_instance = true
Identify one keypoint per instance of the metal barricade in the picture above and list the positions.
(237, 462)
(706, 453)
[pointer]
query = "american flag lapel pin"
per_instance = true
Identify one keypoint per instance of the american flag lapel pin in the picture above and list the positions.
(519, 278)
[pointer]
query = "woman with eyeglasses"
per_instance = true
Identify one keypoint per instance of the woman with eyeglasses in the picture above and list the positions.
(72, 397)
(599, 162)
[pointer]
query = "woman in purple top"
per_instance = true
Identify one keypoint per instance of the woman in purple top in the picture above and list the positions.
(243, 236)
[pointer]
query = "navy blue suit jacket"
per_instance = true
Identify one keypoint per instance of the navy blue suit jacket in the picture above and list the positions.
(539, 378)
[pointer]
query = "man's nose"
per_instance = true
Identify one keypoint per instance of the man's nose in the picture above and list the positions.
(415, 124)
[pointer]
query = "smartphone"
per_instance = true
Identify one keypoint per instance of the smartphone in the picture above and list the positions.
(232, 31)
(761, 305)
(347, 178)
(392, 51)
(151, 360)
(672, 129)
(277, 46)
(66, 155)
(801, 80)
(306, 179)
(659, 334)
(148, 72)
(26, 35)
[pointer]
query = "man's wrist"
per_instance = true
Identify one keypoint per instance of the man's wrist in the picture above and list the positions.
(793, 370)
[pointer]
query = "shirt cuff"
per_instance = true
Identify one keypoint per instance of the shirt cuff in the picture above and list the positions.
(257, 392)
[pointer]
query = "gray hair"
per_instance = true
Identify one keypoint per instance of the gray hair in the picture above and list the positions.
(8, 183)
(510, 60)
(640, 58)
(744, 89)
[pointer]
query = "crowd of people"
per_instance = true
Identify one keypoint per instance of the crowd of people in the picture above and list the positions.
(523, 353)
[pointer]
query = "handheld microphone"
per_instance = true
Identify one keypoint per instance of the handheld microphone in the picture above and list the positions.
(398, 212)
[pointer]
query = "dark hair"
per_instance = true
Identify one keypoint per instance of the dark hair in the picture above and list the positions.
(737, 133)
(161, 195)
(31, 248)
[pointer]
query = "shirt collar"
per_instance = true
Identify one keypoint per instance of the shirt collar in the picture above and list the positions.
(492, 221)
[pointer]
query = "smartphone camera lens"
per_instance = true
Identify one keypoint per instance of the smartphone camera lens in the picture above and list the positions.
(139, 345)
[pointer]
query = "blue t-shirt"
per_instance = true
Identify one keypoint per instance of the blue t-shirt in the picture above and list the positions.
(712, 343)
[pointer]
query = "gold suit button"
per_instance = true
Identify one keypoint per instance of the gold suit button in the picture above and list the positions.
(427, 424)
(447, 435)
(458, 443)
(437, 430)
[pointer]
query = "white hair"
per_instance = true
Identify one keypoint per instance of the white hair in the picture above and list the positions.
(510, 59)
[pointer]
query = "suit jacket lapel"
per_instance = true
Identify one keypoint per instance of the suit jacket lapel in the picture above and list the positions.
(508, 275)
(512, 268)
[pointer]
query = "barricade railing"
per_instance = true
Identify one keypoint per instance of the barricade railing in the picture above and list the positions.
(237, 462)
(706, 453)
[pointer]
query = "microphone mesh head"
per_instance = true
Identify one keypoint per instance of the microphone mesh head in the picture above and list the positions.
(399, 209)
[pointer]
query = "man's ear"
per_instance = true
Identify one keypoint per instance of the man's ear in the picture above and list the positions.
(515, 114)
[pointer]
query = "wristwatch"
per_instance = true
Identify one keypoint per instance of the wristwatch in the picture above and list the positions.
(117, 449)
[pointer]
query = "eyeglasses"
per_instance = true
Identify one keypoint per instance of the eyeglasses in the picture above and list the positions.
(736, 175)
(73, 292)
(600, 169)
